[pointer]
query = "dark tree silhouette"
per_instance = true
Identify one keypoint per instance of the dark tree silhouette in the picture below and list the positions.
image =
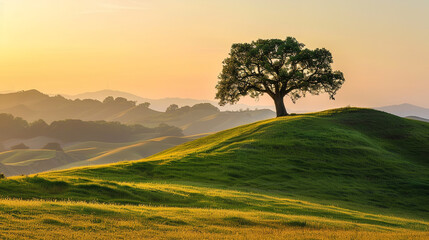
(277, 68)
(53, 146)
(19, 146)
(172, 108)
(145, 104)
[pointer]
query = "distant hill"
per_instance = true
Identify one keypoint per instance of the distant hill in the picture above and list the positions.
(29, 161)
(163, 103)
(199, 118)
(404, 110)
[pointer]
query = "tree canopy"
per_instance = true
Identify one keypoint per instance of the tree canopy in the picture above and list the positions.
(278, 68)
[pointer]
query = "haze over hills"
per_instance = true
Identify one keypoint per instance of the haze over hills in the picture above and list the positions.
(402, 110)
(163, 103)
(405, 110)
(114, 142)
(27, 148)
(341, 169)
(33, 105)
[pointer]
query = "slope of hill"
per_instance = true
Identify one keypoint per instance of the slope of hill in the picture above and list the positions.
(23, 98)
(121, 152)
(29, 161)
(289, 172)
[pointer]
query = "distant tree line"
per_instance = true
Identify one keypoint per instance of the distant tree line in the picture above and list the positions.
(174, 108)
(78, 130)
(120, 101)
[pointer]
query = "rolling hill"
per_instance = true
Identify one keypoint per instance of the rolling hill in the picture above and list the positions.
(30, 161)
(340, 173)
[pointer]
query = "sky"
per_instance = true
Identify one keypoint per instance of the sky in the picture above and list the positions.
(171, 48)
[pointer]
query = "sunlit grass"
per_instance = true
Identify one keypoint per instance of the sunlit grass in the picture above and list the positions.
(344, 173)
(68, 219)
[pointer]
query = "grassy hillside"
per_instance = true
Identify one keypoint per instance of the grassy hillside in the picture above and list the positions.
(303, 171)
(94, 153)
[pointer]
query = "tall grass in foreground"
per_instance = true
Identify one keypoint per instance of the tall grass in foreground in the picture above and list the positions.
(36, 219)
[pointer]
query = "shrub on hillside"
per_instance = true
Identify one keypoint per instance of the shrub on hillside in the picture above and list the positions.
(172, 108)
(144, 105)
(53, 146)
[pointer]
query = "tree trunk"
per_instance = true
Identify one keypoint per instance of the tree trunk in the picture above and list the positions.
(280, 106)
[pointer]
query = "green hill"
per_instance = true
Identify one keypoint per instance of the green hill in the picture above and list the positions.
(314, 165)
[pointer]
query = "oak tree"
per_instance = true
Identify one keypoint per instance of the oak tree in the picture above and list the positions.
(278, 68)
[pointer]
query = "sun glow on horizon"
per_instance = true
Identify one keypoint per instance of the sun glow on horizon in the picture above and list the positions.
(175, 49)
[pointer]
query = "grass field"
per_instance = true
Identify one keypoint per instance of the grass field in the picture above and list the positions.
(339, 174)
(79, 220)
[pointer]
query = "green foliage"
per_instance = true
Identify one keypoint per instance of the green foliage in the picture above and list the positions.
(277, 68)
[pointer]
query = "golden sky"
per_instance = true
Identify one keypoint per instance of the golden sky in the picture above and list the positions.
(166, 48)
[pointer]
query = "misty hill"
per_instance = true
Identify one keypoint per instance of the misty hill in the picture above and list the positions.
(160, 104)
(404, 110)
(354, 158)
(33, 105)
(199, 118)
(27, 148)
